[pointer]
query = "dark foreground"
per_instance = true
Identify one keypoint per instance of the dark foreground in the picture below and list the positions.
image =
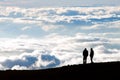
(96, 71)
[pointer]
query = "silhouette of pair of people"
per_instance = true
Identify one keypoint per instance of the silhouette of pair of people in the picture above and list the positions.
(85, 55)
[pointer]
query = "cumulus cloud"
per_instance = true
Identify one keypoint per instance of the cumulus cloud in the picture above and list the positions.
(54, 50)
(18, 67)
(35, 60)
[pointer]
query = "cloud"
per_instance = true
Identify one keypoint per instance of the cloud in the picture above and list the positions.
(33, 60)
(18, 67)
(90, 27)
(26, 28)
(51, 27)
(101, 49)
(107, 25)
(52, 19)
(96, 27)
(26, 61)
(55, 50)
(54, 15)
(115, 24)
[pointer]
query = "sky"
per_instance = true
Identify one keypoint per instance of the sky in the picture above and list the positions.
(58, 3)
(37, 34)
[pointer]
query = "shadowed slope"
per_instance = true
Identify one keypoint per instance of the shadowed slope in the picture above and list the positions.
(94, 71)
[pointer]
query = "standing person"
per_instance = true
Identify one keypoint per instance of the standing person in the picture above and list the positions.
(91, 54)
(85, 55)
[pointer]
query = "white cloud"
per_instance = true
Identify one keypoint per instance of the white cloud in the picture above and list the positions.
(54, 50)
(51, 19)
(34, 60)
(2, 67)
(26, 28)
(51, 27)
(23, 37)
(108, 25)
(90, 27)
(115, 40)
(115, 24)
(54, 15)
(106, 34)
(18, 67)
(103, 54)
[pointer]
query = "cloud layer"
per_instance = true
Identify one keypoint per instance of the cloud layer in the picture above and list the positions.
(54, 50)
(67, 14)
(39, 38)
(52, 19)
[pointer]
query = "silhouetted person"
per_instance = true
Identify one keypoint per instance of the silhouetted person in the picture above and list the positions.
(91, 54)
(85, 55)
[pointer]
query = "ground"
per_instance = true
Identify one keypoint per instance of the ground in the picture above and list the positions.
(95, 71)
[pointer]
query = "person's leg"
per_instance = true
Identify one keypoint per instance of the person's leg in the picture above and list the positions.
(84, 60)
(91, 59)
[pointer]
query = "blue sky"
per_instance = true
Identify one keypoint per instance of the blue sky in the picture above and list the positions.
(38, 34)
(58, 3)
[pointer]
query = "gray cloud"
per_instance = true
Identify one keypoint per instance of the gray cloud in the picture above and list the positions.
(30, 61)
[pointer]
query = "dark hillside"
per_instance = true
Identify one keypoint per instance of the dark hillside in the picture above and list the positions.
(96, 71)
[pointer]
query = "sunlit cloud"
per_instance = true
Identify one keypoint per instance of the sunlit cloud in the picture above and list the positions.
(54, 50)
(51, 37)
